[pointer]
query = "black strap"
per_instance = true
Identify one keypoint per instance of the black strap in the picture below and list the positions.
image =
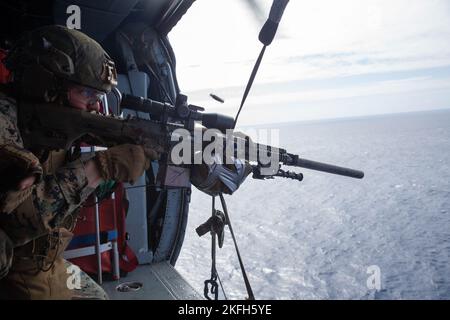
(214, 275)
(249, 83)
(244, 275)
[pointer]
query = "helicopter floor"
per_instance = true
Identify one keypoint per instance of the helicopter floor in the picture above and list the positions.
(160, 281)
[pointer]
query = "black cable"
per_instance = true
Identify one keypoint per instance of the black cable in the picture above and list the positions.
(249, 83)
(244, 275)
(221, 286)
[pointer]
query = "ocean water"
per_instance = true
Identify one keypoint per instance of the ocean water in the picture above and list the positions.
(319, 238)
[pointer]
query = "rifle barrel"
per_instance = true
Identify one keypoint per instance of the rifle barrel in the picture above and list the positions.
(325, 167)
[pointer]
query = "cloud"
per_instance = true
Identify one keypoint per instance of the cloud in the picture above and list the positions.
(324, 43)
(325, 38)
(296, 94)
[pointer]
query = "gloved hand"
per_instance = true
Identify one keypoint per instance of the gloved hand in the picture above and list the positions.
(220, 178)
(6, 253)
(124, 163)
(18, 165)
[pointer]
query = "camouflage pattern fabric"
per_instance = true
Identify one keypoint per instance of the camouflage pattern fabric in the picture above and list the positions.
(65, 54)
(62, 190)
(9, 133)
(41, 211)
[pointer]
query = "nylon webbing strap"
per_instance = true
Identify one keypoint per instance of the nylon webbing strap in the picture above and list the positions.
(250, 82)
(244, 275)
(212, 281)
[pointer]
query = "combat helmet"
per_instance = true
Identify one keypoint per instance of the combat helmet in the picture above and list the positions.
(46, 59)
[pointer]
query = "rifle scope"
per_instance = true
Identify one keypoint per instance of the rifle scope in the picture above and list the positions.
(182, 111)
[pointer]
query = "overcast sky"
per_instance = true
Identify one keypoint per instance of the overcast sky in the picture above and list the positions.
(330, 58)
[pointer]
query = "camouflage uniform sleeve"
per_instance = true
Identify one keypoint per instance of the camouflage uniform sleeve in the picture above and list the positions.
(58, 194)
(61, 193)
(50, 201)
(9, 134)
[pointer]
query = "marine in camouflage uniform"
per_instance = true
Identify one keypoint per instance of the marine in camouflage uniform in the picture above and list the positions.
(41, 209)
(36, 218)
(40, 193)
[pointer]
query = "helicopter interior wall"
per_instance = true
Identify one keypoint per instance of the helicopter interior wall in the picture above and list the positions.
(101, 20)
(98, 18)
(157, 217)
(154, 226)
(136, 83)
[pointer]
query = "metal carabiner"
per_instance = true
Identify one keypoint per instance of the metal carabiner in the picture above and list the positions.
(214, 289)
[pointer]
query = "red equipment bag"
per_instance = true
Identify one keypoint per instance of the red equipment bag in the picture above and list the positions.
(112, 226)
(5, 74)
